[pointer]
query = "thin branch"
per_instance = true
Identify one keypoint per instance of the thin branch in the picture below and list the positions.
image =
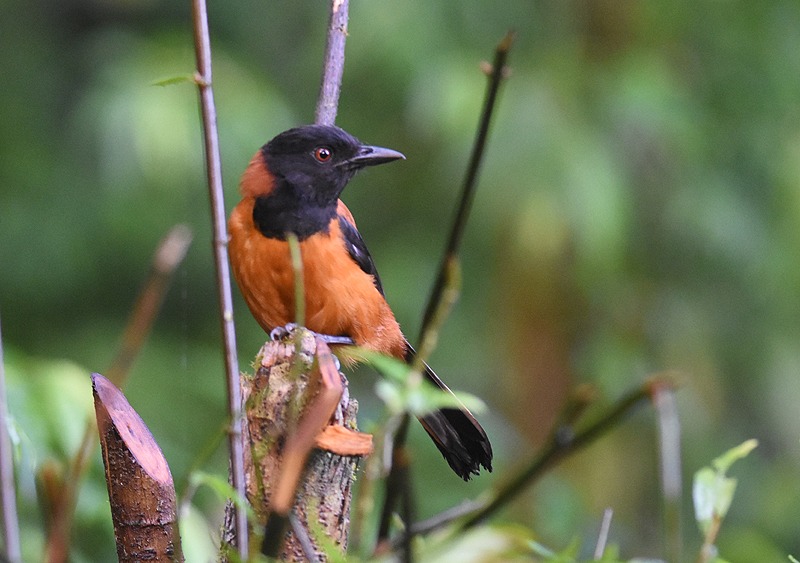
(448, 295)
(170, 253)
(564, 443)
(498, 72)
(602, 537)
(202, 44)
(561, 446)
(168, 256)
(669, 446)
(303, 538)
(328, 101)
(445, 517)
(395, 483)
(8, 490)
(398, 481)
(299, 279)
(365, 501)
(441, 299)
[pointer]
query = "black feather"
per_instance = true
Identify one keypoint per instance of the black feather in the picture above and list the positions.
(358, 251)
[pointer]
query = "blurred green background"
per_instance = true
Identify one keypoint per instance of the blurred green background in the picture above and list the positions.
(638, 211)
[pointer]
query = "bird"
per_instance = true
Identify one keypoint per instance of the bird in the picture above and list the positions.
(292, 185)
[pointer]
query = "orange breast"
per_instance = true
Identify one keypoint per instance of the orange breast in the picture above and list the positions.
(341, 299)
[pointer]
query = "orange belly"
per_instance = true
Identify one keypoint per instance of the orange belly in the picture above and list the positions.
(341, 299)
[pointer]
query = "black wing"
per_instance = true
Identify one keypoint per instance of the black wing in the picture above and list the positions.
(358, 251)
(459, 437)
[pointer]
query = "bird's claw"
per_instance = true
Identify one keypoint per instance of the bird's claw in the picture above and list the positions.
(282, 332)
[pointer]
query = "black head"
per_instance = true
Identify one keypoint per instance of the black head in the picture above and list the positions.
(310, 166)
(316, 161)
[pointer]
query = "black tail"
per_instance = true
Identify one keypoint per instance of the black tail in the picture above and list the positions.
(456, 433)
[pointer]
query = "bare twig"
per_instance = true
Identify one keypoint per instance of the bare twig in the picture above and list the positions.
(447, 516)
(669, 442)
(202, 45)
(170, 253)
(561, 446)
(396, 481)
(708, 552)
(328, 101)
(8, 490)
(450, 290)
(399, 478)
(303, 538)
(438, 300)
(498, 72)
(299, 281)
(168, 256)
(407, 511)
(564, 443)
(602, 537)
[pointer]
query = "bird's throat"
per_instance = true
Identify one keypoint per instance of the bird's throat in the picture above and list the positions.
(275, 216)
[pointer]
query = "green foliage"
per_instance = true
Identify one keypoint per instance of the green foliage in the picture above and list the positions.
(713, 492)
(637, 210)
(50, 406)
(404, 390)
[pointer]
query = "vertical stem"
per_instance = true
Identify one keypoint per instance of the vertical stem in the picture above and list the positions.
(497, 73)
(328, 101)
(214, 172)
(8, 493)
(669, 445)
(299, 282)
(449, 265)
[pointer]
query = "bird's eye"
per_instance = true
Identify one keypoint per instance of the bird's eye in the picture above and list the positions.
(323, 154)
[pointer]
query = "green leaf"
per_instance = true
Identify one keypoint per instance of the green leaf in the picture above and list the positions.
(724, 462)
(196, 534)
(391, 395)
(403, 390)
(485, 543)
(222, 488)
(712, 491)
(390, 368)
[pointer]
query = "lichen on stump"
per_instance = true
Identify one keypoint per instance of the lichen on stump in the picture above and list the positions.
(275, 397)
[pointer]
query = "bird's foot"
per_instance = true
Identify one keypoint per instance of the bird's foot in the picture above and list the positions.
(281, 332)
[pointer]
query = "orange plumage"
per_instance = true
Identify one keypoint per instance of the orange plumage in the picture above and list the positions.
(340, 298)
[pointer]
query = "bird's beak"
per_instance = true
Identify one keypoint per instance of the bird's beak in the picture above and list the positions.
(370, 156)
